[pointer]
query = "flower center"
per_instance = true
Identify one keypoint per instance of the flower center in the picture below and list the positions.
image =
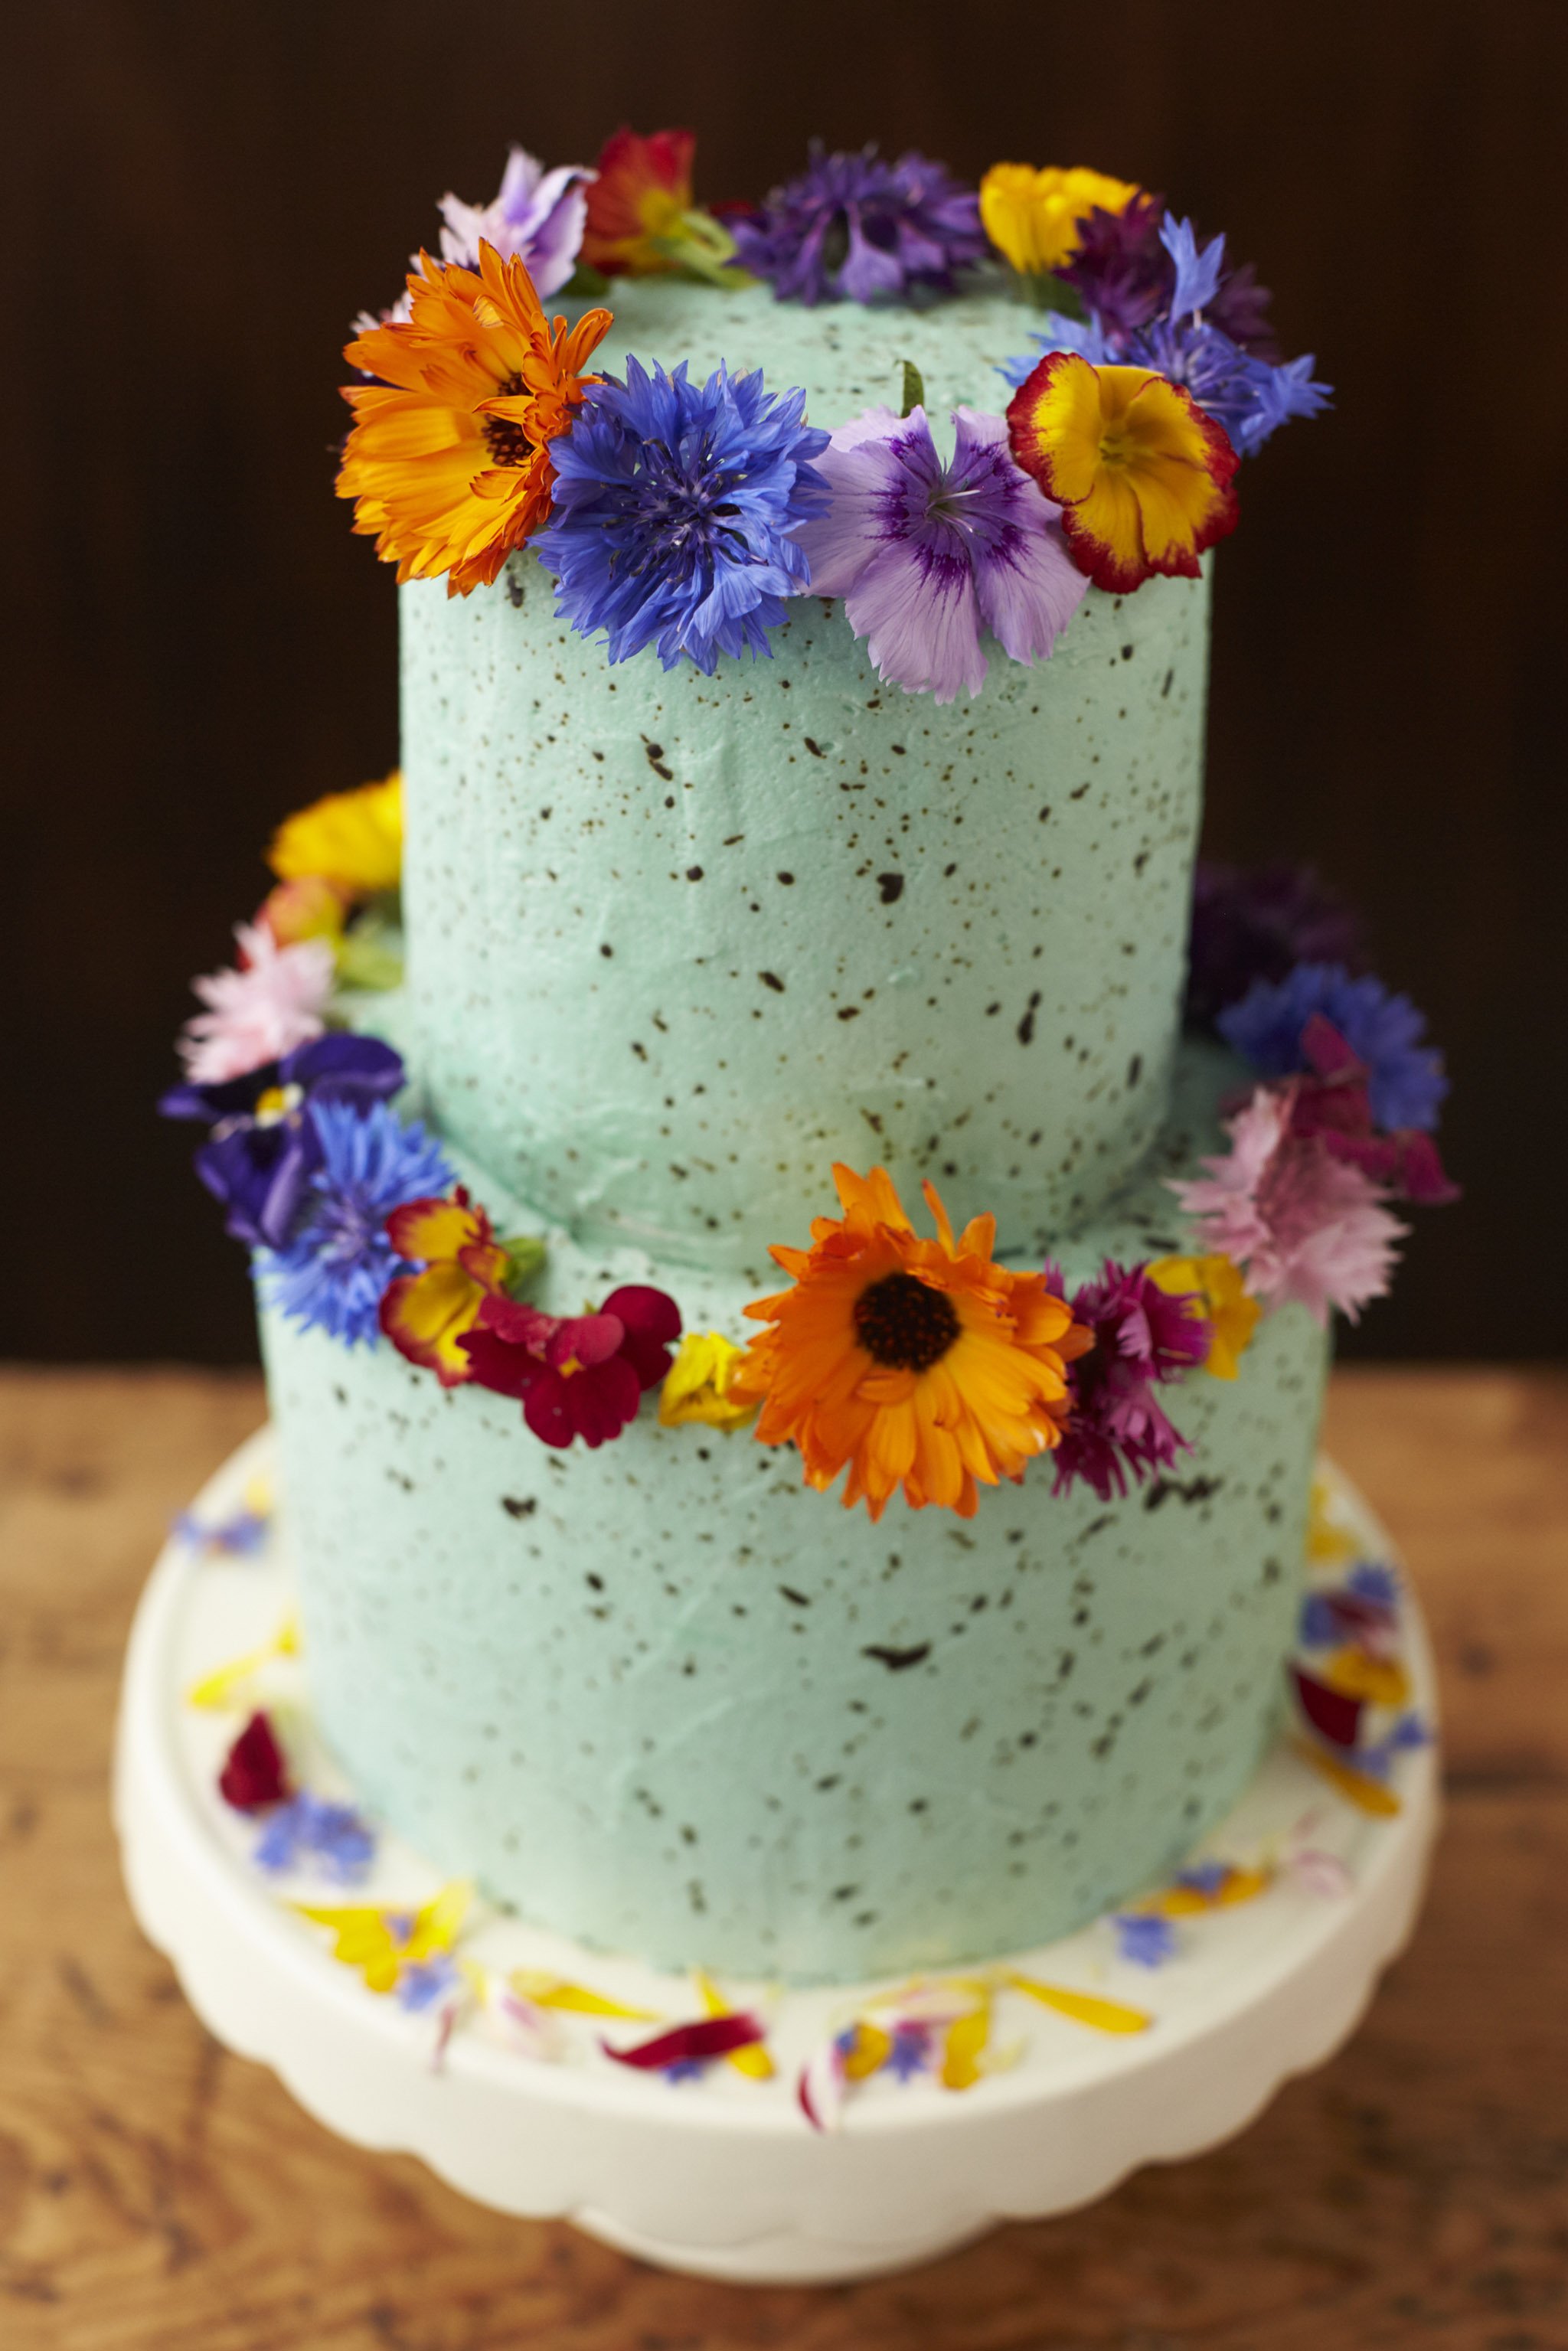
(507, 443)
(903, 1322)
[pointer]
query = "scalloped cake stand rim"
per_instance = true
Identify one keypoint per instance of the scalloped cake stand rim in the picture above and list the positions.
(734, 2185)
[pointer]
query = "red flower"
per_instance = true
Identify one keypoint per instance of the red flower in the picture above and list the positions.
(636, 203)
(255, 1774)
(1334, 1104)
(577, 1374)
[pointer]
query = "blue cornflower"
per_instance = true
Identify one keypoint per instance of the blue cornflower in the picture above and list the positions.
(1205, 1877)
(1406, 1080)
(1250, 398)
(910, 2053)
(1058, 332)
(307, 1829)
(422, 1982)
(332, 1274)
(859, 225)
(1146, 1940)
(1321, 1623)
(1198, 275)
(1375, 1580)
(675, 506)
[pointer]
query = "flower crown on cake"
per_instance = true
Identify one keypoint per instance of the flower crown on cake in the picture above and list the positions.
(916, 1365)
(687, 517)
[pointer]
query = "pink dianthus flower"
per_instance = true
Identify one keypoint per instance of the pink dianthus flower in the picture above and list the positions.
(274, 1000)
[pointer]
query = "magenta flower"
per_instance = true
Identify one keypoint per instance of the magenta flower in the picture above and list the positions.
(576, 1374)
(537, 214)
(1334, 1102)
(272, 1002)
(1143, 1336)
(1300, 1223)
(924, 554)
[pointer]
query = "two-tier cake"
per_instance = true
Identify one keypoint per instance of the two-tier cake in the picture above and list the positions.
(714, 1547)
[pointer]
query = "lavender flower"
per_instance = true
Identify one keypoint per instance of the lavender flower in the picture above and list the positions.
(330, 1276)
(539, 215)
(924, 553)
(677, 512)
(858, 226)
(1143, 1336)
(1383, 1032)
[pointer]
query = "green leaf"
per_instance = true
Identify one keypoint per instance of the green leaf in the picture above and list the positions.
(585, 284)
(914, 387)
(528, 1254)
(366, 958)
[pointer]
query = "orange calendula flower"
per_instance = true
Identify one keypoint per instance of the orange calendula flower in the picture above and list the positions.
(920, 1364)
(351, 840)
(641, 217)
(1142, 475)
(1032, 217)
(448, 462)
(425, 1314)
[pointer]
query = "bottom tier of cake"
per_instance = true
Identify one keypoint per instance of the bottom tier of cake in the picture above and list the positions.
(666, 1700)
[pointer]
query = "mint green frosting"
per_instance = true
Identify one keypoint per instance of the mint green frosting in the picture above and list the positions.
(677, 943)
(674, 944)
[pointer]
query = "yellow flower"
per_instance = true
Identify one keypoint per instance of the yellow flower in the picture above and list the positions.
(1142, 474)
(352, 839)
(698, 1384)
(1033, 216)
(1232, 1314)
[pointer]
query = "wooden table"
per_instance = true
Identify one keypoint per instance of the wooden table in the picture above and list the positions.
(157, 2194)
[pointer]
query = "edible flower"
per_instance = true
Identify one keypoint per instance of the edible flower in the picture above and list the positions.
(1252, 926)
(917, 1363)
(272, 1000)
(1301, 1224)
(1143, 1337)
(1035, 218)
(537, 215)
(1218, 1284)
(577, 1375)
(379, 1943)
(700, 1383)
(332, 1273)
(449, 459)
(306, 1830)
(677, 509)
(1383, 1032)
(924, 553)
(1142, 475)
(352, 840)
(857, 226)
(643, 220)
(310, 908)
(264, 1146)
(255, 1774)
(1334, 1102)
(427, 1314)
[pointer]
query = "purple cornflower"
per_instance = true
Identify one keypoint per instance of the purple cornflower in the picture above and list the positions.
(1384, 1032)
(264, 1148)
(1143, 1336)
(1147, 1940)
(1121, 269)
(859, 227)
(1249, 927)
(331, 1274)
(539, 215)
(307, 1830)
(678, 509)
(924, 554)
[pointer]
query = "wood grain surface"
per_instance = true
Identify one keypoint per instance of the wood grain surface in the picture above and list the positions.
(157, 2194)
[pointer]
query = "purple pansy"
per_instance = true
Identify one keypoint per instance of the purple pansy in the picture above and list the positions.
(1248, 926)
(264, 1147)
(1383, 1032)
(924, 554)
(539, 215)
(857, 226)
(1143, 1336)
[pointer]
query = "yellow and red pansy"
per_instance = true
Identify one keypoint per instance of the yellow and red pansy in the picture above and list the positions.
(1142, 475)
(427, 1314)
(638, 202)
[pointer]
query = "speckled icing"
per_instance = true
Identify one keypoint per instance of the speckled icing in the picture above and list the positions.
(677, 943)
(665, 1699)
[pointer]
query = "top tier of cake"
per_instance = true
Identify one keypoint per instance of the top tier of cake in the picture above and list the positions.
(676, 943)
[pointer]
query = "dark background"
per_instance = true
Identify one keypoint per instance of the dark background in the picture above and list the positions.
(202, 196)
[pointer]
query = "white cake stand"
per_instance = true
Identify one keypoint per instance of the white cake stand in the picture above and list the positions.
(719, 2173)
